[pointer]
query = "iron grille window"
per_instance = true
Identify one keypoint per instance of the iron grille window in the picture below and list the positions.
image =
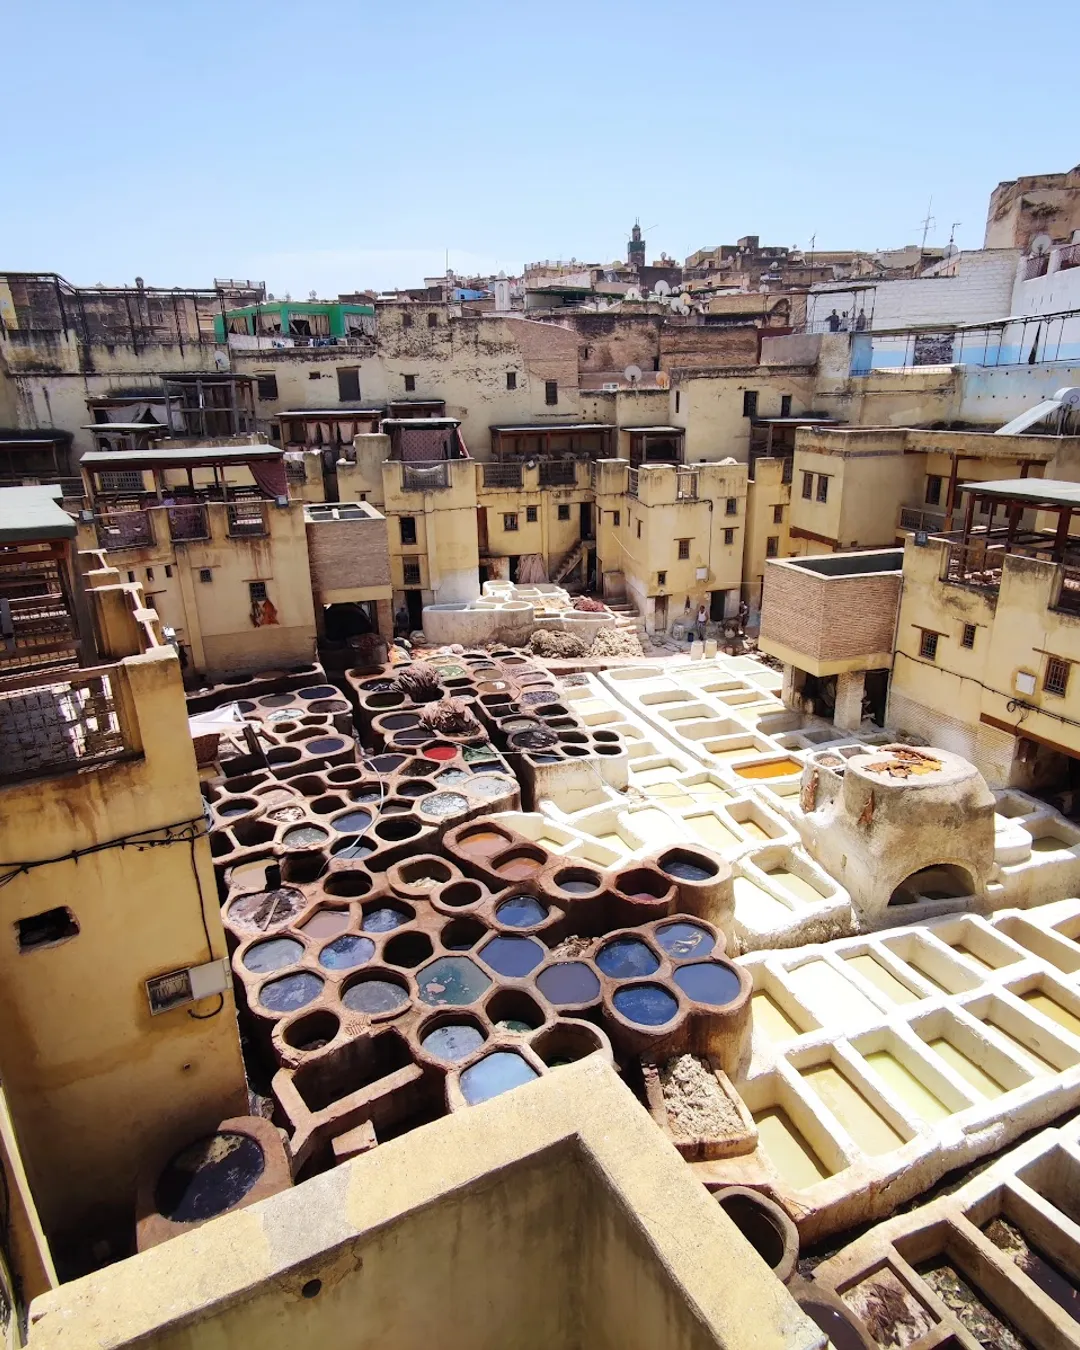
(772, 546)
(933, 490)
(787, 472)
(616, 518)
(684, 548)
(639, 529)
(807, 485)
(822, 488)
(257, 591)
(661, 578)
(408, 529)
(511, 379)
(731, 507)
(729, 536)
(247, 518)
(206, 574)
(267, 386)
(928, 645)
(778, 515)
(564, 513)
(411, 573)
(968, 639)
(551, 392)
(1056, 679)
(502, 475)
(530, 515)
(749, 403)
(510, 522)
(557, 473)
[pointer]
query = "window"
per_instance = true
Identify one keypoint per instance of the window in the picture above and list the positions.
(406, 321)
(530, 515)
(509, 522)
(616, 518)
(933, 489)
(168, 570)
(564, 513)
(348, 384)
(149, 574)
(1056, 679)
(511, 379)
(678, 399)
(551, 392)
(639, 529)
(788, 470)
(206, 574)
(729, 536)
(43, 930)
(256, 592)
(432, 319)
(749, 403)
(822, 488)
(661, 578)
(968, 639)
(808, 485)
(772, 546)
(267, 385)
(314, 374)
(778, 515)
(731, 507)
(410, 572)
(684, 548)
(928, 645)
(407, 525)
(131, 577)
(785, 405)
(410, 384)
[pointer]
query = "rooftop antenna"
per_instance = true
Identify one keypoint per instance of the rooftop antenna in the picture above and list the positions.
(926, 222)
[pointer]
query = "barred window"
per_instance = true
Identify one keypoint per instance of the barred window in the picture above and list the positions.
(1056, 678)
(729, 536)
(928, 645)
(772, 546)
(530, 515)
(684, 548)
(968, 639)
(564, 513)
(822, 488)
(778, 515)
(510, 522)
(808, 485)
(411, 573)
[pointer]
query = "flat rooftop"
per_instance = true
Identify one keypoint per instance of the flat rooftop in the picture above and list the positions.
(191, 457)
(1034, 491)
(31, 513)
(535, 427)
(850, 564)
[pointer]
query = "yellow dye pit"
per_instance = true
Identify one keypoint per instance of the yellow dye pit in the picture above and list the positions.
(752, 829)
(871, 969)
(795, 885)
(769, 1017)
(969, 1071)
(787, 1149)
(757, 908)
(907, 1087)
(1051, 1008)
(614, 841)
(869, 1129)
(712, 831)
(775, 768)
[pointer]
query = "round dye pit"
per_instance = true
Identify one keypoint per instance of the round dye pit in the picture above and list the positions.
(239, 806)
(521, 911)
(568, 982)
(385, 763)
(440, 753)
(518, 866)
(494, 1074)
(453, 1041)
(419, 787)
(319, 691)
(682, 940)
(277, 701)
(513, 956)
(326, 745)
(375, 996)
(646, 1005)
(262, 910)
(326, 923)
(626, 959)
(273, 954)
(577, 882)
(452, 980)
(209, 1177)
(346, 952)
(290, 992)
(305, 836)
(352, 822)
(510, 1024)
(708, 982)
(685, 866)
(452, 778)
(354, 848)
(443, 804)
(488, 785)
(384, 919)
(285, 714)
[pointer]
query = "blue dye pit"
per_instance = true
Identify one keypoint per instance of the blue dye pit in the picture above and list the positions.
(382, 920)
(453, 1042)
(325, 745)
(355, 848)
(273, 954)
(708, 982)
(626, 958)
(648, 1005)
(345, 952)
(375, 996)
(290, 992)
(452, 980)
(682, 940)
(568, 982)
(494, 1074)
(513, 956)
(521, 911)
(352, 822)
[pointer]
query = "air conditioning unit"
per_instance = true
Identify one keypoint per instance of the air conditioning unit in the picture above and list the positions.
(611, 388)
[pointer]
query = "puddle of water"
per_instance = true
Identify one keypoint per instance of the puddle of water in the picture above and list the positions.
(786, 1148)
(906, 1086)
(869, 1129)
(870, 968)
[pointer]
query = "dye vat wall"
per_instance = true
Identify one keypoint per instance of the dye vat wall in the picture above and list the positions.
(554, 1217)
(94, 1083)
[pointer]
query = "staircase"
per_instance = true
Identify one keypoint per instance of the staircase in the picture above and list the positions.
(569, 561)
(626, 616)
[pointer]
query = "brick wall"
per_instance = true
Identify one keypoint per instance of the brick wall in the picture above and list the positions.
(348, 553)
(829, 618)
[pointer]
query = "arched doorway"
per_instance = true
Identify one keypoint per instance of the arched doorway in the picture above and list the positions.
(942, 881)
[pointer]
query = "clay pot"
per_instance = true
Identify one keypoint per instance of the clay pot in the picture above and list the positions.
(764, 1225)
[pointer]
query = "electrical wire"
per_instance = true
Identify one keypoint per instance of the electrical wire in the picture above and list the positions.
(1011, 702)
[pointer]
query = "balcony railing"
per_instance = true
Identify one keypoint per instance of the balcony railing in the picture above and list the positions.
(916, 518)
(124, 529)
(422, 477)
(632, 483)
(188, 521)
(247, 519)
(976, 565)
(502, 475)
(557, 473)
(67, 723)
(1036, 266)
(1068, 599)
(1069, 256)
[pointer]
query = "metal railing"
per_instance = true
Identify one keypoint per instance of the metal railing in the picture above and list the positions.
(1036, 266)
(915, 518)
(37, 626)
(422, 477)
(1069, 256)
(502, 475)
(976, 565)
(557, 473)
(67, 723)
(1068, 596)
(124, 529)
(247, 519)
(686, 485)
(632, 482)
(188, 521)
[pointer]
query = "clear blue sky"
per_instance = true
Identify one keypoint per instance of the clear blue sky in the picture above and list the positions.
(338, 144)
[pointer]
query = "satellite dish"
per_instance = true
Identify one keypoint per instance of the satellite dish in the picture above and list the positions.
(950, 251)
(661, 288)
(684, 299)
(1040, 244)
(633, 293)
(221, 361)
(633, 374)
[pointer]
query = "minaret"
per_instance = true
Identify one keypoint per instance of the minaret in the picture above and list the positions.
(635, 249)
